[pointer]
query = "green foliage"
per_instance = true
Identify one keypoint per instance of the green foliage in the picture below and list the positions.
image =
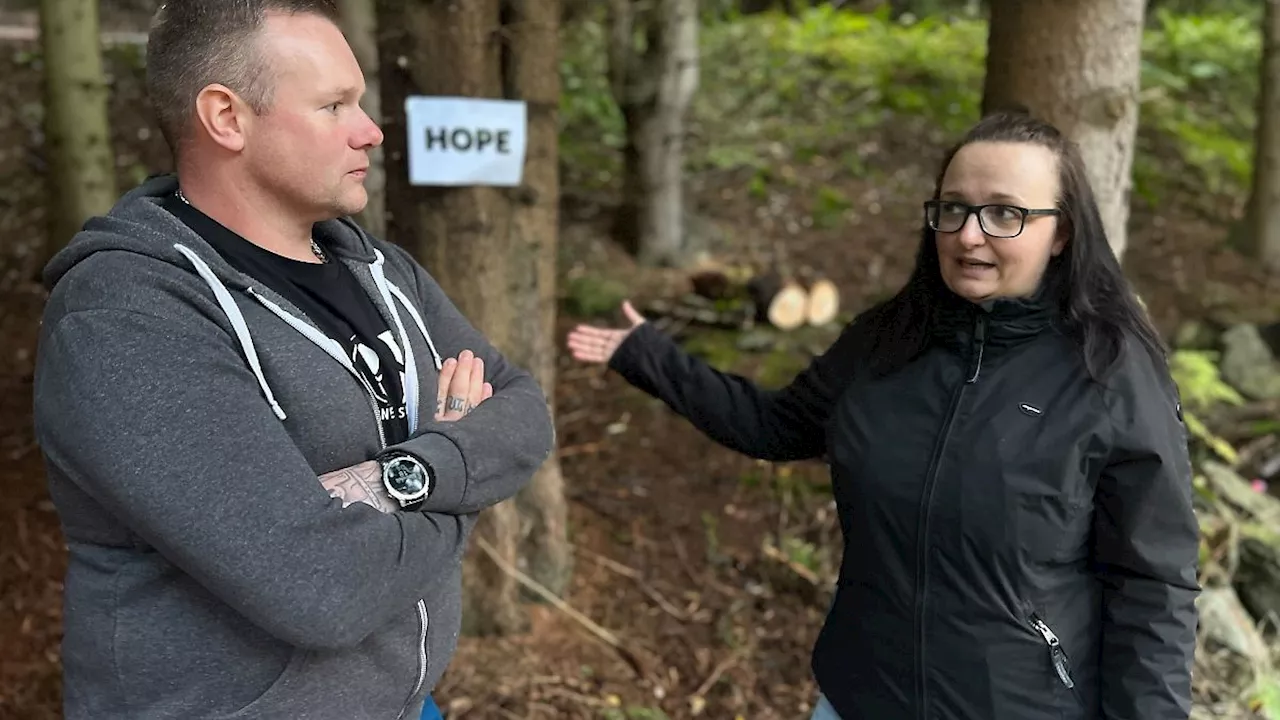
(829, 207)
(1202, 387)
(780, 366)
(1201, 432)
(779, 87)
(1200, 84)
(802, 553)
(591, 126)
(718, 348)
(1199, 381)
(776, 89)
(1267, 696)
(590, 296)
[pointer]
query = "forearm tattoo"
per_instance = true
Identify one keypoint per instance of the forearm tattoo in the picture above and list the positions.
(358, 483)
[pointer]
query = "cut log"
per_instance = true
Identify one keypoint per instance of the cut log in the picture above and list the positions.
(782, 302)
(772, 297)
(787, 310)
(824, 302)
(712, 284)
(716, 280)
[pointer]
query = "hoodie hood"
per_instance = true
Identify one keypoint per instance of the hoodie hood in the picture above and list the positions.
(139, 224)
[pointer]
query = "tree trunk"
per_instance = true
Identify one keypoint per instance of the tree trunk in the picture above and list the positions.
(653, 89)
(1075, 64)
(1262, 235)
(77, 133)
(360, 24)
(532, 72)
(493, 250)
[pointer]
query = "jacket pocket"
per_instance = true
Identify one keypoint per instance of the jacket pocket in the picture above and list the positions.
(1061, 664)
(278, 695)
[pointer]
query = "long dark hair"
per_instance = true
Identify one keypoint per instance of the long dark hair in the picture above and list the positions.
(1097, 305)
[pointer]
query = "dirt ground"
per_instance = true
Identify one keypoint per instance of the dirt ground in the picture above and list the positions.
(668, 527)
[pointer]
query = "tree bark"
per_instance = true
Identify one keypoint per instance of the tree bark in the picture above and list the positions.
(653, 89)
(360, 25)
(1075, 64)
(493, 250)
(77, 132)
(1263, 225)
(532, 72)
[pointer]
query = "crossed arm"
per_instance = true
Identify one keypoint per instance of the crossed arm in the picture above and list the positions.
(492, 429)
(461, 388)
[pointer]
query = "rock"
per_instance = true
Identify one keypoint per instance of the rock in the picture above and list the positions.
(1257, 579)
(1248, 365)
(1224, 620)
(1230, 486)
(1271, 336)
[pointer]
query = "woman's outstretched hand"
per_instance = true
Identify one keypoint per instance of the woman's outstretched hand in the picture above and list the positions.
(595, 344)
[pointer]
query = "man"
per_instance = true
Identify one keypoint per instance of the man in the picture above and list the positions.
(266, 475)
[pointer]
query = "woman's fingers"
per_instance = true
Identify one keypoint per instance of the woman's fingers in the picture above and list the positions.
(589, 332)
(633, 317)
(595, 346)
(589, 343)
(587, 354)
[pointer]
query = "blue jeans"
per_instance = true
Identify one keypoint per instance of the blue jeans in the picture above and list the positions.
(824, 711)
(431, 712)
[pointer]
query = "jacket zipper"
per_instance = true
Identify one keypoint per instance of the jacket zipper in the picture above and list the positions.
(1059, 656)
(422, 657)
(980, 342)
(926, 501)
(411, 374)
(377, 415)
(342, 360)
(382, 445)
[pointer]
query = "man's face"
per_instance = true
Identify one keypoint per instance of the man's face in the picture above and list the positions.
(311, 147)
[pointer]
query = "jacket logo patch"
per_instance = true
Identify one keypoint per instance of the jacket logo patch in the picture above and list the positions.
(1031, 410)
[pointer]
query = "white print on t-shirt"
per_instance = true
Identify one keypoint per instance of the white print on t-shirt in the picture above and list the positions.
(368, 363)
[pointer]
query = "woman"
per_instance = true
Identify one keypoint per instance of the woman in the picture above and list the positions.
(1007, 453)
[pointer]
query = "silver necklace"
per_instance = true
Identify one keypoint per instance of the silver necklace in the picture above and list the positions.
(315, 246)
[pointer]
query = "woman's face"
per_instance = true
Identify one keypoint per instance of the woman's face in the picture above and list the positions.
(975, 265)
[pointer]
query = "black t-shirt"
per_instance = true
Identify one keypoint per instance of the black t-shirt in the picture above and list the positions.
(332, 298)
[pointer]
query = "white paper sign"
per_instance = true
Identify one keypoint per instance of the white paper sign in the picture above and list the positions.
(465, 141)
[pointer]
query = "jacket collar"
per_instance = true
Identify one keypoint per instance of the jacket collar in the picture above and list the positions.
(1001, 321)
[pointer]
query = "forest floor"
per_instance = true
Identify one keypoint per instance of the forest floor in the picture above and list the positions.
(708, 566)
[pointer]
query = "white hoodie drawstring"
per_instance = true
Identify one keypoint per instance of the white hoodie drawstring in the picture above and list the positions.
(241, 328)
(237, 323)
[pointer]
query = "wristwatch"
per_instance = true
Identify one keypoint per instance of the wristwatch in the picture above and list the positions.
(406, 479)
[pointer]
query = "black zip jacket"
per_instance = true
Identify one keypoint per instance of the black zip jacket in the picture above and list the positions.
(1019, 538)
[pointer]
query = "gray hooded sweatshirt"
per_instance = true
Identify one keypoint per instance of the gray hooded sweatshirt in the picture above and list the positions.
(185, 412)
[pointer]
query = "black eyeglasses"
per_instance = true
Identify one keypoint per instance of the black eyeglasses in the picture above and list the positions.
(997, 221)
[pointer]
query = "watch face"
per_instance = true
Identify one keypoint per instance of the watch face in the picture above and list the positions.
(405, 477)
